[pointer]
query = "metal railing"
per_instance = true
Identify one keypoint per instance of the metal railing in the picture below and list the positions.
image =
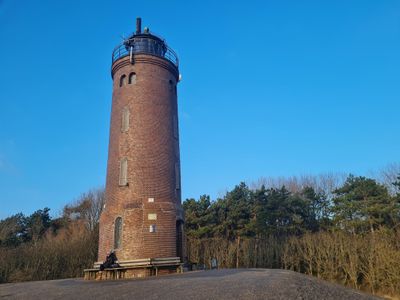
(124, 49)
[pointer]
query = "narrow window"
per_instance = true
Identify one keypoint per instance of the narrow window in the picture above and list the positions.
(123, 172)
(177, 148)
(175, 127)
(117, 233)
(122, 80)
(171, 85)
(125, 120)
(177, 176)
(152, 228)
(132, 78)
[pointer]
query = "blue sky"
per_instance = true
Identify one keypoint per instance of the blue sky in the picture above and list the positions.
(270, 88)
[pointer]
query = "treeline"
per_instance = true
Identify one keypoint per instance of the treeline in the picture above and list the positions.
(343, 230)
(38, 247)
(340, 228)
(357, 206)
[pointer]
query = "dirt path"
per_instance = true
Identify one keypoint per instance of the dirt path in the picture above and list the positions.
(221, 284)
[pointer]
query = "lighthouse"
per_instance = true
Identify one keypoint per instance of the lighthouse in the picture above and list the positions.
(142, 220)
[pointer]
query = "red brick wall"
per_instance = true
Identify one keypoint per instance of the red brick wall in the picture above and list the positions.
(152, 151)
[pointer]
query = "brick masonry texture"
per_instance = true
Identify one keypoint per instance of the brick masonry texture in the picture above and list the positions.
(151, 146)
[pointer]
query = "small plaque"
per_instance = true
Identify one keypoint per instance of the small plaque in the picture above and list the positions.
(152, 216)
(151, 200)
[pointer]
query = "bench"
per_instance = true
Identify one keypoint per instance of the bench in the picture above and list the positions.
(132, 271)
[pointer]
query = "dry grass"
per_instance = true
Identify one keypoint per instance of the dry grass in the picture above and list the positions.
(370, 262)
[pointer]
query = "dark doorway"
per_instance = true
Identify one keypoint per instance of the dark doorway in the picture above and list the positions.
(179, 239)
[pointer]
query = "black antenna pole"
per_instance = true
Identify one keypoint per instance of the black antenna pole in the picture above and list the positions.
(138, 25)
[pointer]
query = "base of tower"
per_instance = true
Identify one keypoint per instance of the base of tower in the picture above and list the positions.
(136, 269)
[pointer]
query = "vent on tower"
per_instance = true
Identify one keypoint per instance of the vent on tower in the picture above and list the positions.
(138, 25)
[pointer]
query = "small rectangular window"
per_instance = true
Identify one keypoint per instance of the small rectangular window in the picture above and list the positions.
(123, 172)
(152, 228)
(152, 216)
(125, 120)
(117, 232)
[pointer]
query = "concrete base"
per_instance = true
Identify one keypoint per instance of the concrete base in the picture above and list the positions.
(136, 269)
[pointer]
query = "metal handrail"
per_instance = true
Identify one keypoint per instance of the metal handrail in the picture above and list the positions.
(122, 50)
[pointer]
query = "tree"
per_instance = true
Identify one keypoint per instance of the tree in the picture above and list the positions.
(37, 224)
(258, 219)
(396, 213)
(389, 175)
(236, 208)
(12, 230)
(288, 213)
(87, 208)
(318, 214)
(362, 204)
(198, 217)
(396, 184)
(278, 215)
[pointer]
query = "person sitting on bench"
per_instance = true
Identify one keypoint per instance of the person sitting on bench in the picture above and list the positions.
(110, 262)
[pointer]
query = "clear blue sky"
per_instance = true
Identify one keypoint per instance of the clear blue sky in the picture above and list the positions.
(270, 88)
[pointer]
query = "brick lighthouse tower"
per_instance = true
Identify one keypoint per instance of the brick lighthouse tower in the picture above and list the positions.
(142, 219)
